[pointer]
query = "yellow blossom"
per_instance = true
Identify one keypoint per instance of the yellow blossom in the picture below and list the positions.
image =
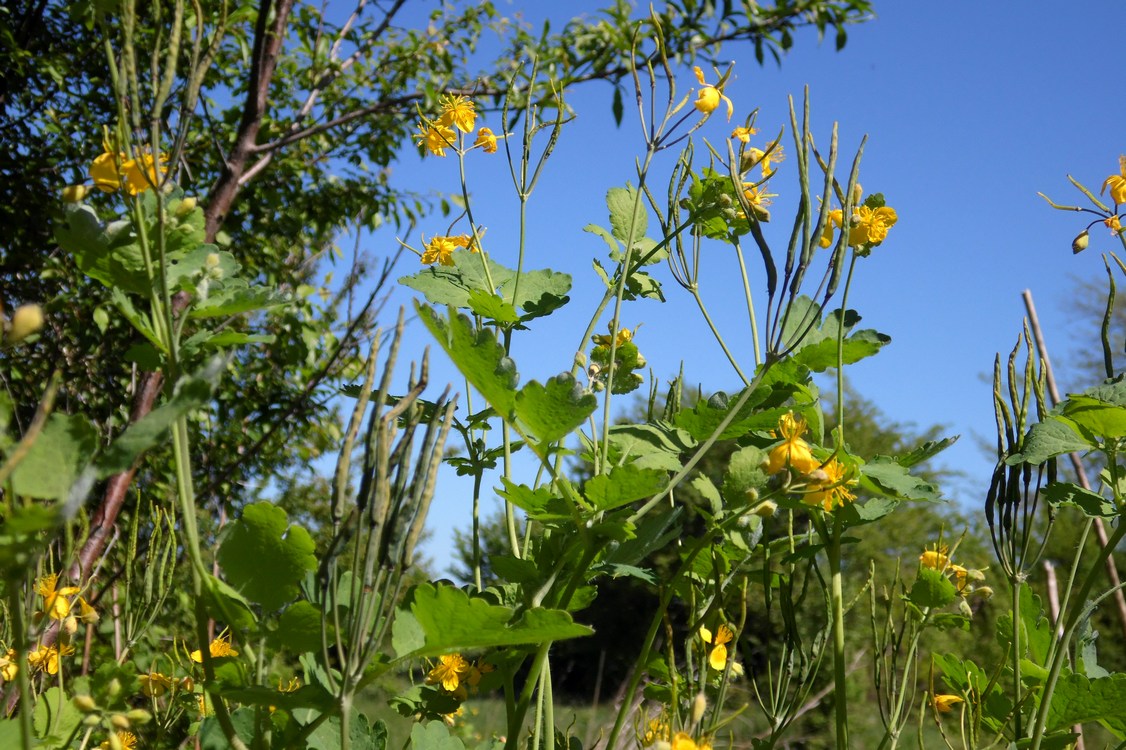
(450, 672)
(945, 703)
(154, 684)
(1113, 223)
(219, 648)
(143, 172)
(833, 491)
(683, 741)
(9, 665)
(440, 249)
(743, 134)
(436, 137)
(870, 225)
(56, 603)
(1117, 183)
(765, 158)
(105, 173)
(717, 658)
(709, 97)
(125, 741)
(603, 339)
(46, 658)
(793, 451)
(935, 558)
(112, 170)
(655, 730)
(486, 141)
(836, 216)
(458, 112)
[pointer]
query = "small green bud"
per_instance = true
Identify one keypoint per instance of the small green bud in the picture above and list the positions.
(139, 716)
(120, 721)
(186, 207)
(91, 720)
(964, 608)
(85, 703)
(75, 193)
(212, 260)
(114, 688)
(766, 509)
(1079, 244)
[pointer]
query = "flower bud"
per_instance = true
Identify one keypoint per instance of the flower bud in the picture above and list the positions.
(212, 260)
(120, 721)
(857, 193)
(186, 207)
(964, 608)
(70, 625)
(26, 320)
(1079, 244)
(75, 193)
(820, 476)
(114, 688)
(662, 745)
(985, 592)
(766, 509)
(699, 706)
(751, 495)
(92, 720)
(85, 703)
(139, 716)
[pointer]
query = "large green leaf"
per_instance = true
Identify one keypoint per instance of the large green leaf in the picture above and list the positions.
(822, 355)
(1091, 503)
(55, 717)
(932, 589)
(628, 218)
(451, 285)
(107, 253)
(1098, 417)
(1048, 439)
(744, 472)
(56, 458)
(623, 485)
(1078, 700)
(478, 356)
(439, 619)
(264, 557)
(886, 476)
(538, 292)
(551, 412)
(434, 735)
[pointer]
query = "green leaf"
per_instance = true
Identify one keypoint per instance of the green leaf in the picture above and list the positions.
(478, 356)
(492, 306)
(1078, 700)
(184, 273)
(615, 248)
(108, 253)
(551, 412)
(449, 620)
(55, 717)
(1048, 439)
(932, 589)
(655, 532)
(628, 218)
(888, 477)
(1091, 503)
(211, 736)
(1096, 416)
(434, 735)
(361, 734)
(451, 285)
(56, 458)
(743, 473)
(533, 502)
(139, 322)
(623, 485)
(226, 604)
(299, 627)
(236, 300)
(925, 452)
(191, 393)
(538, 292)
(822, 355)
(264, 558)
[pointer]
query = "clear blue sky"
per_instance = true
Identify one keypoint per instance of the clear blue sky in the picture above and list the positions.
(970, 109)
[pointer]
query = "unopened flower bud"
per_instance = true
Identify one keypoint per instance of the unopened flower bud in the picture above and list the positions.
(186, 207)
(766, 509)
(85, 703)
(75, 193)
(26, 320)
(964, 608)
(70, 625)
(120, 721)
(580, 359)
(985, 592)
(139, 716)
(699, 705)
(725, 200)
(662, 745)
(819, 476)
(641, 361)
(212, 260)
(1079, 244)
(92, 720)
(114, 688)
(857, 193)
(751, 494)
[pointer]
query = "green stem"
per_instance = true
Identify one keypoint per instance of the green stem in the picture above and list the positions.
(19, 645)
(750, 304)
(836, 593)
(839, 443)
(719, 338)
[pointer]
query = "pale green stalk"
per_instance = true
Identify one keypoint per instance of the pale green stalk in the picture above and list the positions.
(750, 304)
(836, 594)
(719, 338)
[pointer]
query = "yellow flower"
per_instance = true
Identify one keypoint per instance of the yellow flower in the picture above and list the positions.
(450, 672)
(46, 658)
(656, 729)
(792, 452)
(451, 718)
(1113, 223)
(56, 605)
(75, 193)
(436, 138)
(870, 225)
(717, 659)
(709, 97)
(1117, 183)
(9, 665)
(143, 173)
(772, 155)
(486, 141)
(683, 741)
(945, 703)
(289, 687)
(104, 171)
(125, 741)
(154, 684)
(603, 339)
(836, 216)
(466, 241)
(833, 491)
(743, 134)
(935, 558)
(757, 195)
(219, 648)
(440, 249)
(458, 112)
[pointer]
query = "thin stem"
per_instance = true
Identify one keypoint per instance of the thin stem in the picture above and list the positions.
(750, 304)
(836, 593)
(719, 338)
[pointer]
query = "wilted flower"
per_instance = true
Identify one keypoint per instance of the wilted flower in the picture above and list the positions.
(9, 665)
(46, 658)
(945, 703)
(935, 558)
(709, 97)
(765, 158)
(486, 141)
(1113, 223)
(604, 340)
(56, 603)
(743, 134)
(155, 684)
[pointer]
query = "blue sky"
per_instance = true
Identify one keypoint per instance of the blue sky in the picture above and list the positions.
(970, 109)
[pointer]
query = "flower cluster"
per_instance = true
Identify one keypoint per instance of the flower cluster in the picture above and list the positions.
(826, 483)
(458, 116)
(627, 361)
